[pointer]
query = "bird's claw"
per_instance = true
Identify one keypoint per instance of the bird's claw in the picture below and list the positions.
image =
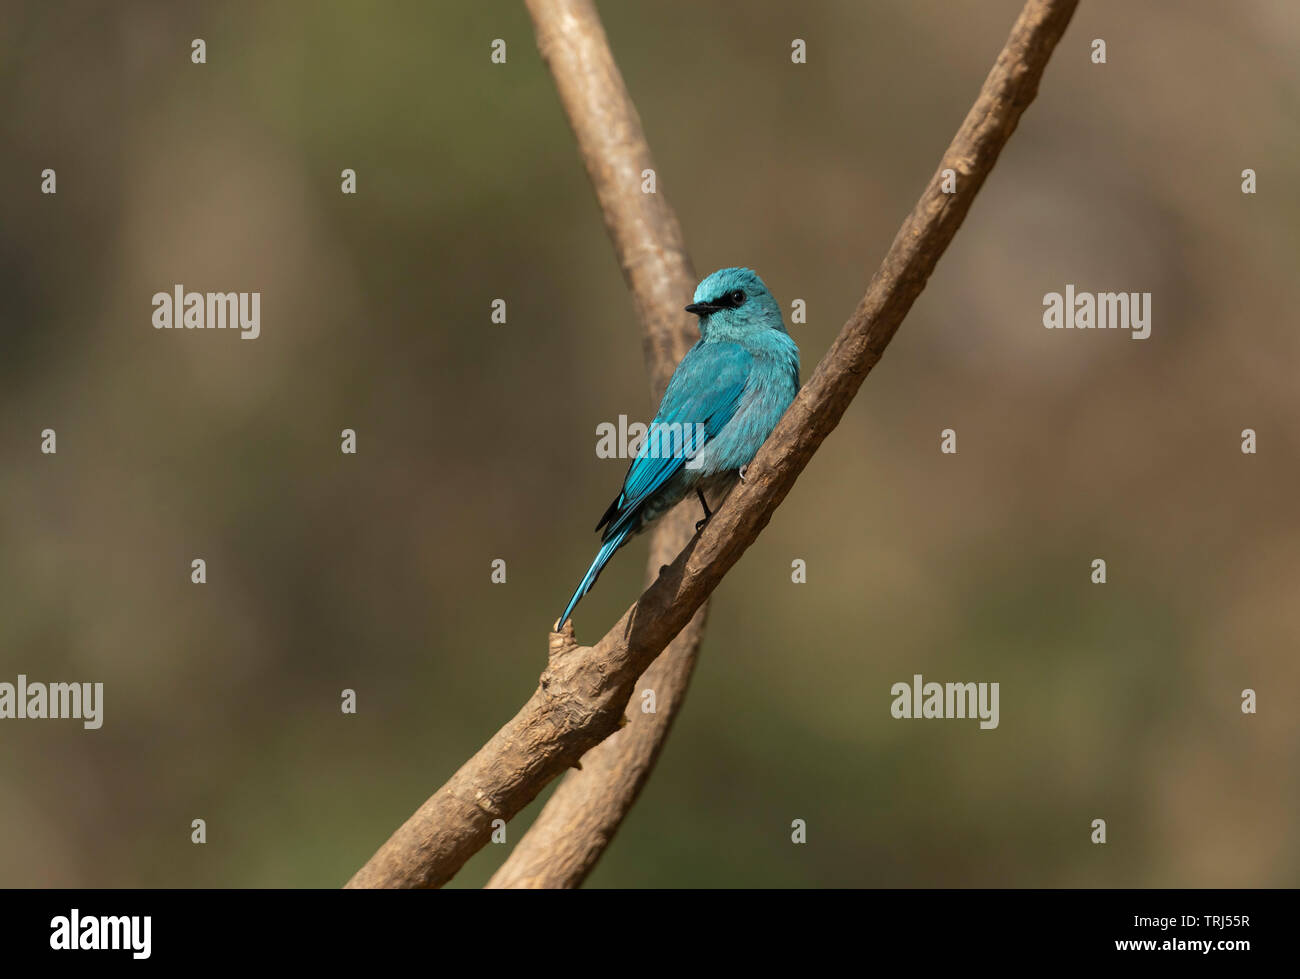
(742, 473)
(699, 524)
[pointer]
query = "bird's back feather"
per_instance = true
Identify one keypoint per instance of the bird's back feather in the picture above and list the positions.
(702, 396)
(722, 402)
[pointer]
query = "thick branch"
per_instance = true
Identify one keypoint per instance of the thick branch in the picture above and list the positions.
(583, 690)
(581, 817)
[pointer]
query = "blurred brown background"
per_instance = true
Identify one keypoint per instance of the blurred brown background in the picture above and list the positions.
(478, 441)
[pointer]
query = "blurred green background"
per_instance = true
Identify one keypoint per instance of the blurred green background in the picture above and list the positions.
(477, 441)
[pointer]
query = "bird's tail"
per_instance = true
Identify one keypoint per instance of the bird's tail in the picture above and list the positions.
(602, 558)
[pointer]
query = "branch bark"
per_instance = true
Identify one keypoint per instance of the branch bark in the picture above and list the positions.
(643, 228)
(583, 690)
(581, 817)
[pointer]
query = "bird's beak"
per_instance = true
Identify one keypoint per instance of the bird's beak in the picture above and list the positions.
(702, 309)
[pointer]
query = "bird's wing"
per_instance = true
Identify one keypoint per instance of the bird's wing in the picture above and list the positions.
(704, 390)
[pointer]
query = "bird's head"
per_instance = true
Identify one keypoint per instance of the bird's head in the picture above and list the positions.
(734, 303)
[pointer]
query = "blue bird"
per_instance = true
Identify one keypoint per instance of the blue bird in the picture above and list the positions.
(722, 402)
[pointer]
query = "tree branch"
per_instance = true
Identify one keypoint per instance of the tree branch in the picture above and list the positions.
(583, 690)
(644, 230)
(581, 817)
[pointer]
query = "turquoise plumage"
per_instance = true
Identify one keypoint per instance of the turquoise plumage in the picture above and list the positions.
(722, 402)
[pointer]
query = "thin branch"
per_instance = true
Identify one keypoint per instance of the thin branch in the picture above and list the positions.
(644, 230)
(583, 690)
(581, 817)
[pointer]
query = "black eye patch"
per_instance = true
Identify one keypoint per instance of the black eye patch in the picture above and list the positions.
(730, 300)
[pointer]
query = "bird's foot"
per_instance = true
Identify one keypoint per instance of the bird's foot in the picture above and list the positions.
(663, 568)
(742, 473)
(707, 512)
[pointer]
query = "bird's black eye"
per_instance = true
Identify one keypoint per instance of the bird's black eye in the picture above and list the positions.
(736, 298)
